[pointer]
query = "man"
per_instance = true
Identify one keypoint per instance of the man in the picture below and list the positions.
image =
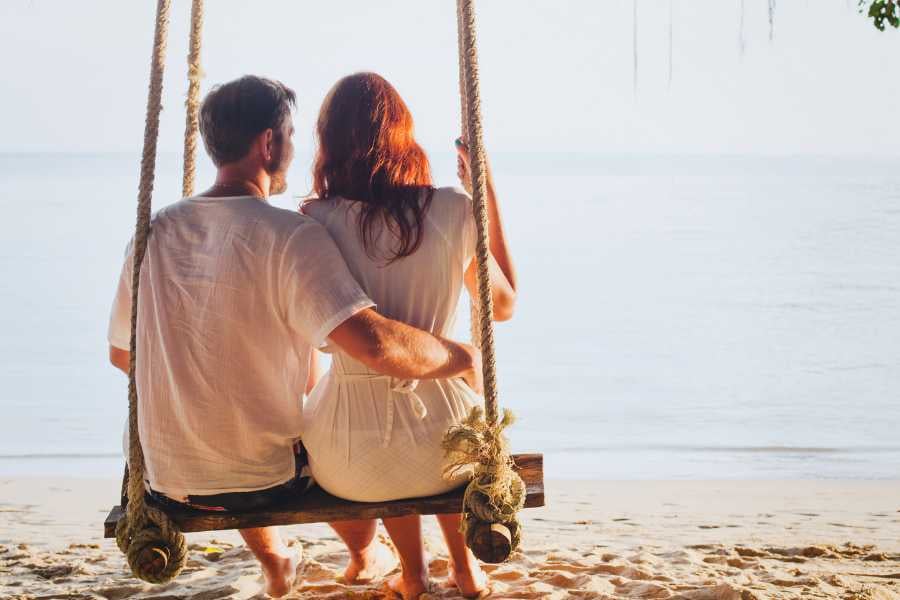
(235, 294)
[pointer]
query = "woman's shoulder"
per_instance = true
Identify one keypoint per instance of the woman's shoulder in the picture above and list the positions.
(452, 203)
(452, 194)
(319, 209)
(451, 212)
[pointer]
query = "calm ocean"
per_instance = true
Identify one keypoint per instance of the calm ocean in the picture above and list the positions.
(679, 317)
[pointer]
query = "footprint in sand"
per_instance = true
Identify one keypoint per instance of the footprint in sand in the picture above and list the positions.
(877, 557)
(119, 592)
(508, 575)
(222, 592)
(608, 557)
(568, 581)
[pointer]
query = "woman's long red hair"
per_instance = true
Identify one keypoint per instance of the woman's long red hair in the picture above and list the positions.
(367, 152)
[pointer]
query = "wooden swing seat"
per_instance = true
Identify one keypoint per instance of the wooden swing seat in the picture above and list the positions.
(317, 506)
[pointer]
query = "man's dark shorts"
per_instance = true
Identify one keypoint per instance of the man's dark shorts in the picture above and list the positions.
(248, 501)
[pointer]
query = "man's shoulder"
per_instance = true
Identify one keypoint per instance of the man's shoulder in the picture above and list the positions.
(276, 223)
(169, 211)
(287, 222)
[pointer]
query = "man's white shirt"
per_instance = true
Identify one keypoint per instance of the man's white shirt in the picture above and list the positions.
(234, 295)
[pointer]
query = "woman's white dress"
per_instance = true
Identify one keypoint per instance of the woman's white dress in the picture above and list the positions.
(371, 438)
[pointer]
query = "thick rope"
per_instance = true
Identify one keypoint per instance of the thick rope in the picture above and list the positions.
(496, 492)
(156, 550)
(475, 137)
(192, 104)
(474, 313)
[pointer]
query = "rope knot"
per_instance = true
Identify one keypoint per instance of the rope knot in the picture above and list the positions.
(496, 493)
(156, 550)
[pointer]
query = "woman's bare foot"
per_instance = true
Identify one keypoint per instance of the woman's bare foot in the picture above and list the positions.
(465, 572)
(409, 588)
(280, 573)
(469, 578)
(376, 561)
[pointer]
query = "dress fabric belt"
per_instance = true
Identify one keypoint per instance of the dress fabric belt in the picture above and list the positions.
(401, 387)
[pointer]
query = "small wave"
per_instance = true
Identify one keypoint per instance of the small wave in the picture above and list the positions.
(60, 456)
(735, 449)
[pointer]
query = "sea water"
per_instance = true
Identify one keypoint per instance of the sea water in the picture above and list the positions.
(678, 317)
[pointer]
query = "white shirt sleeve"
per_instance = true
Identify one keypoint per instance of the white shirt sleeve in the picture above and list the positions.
(119, 333)
(319, 291)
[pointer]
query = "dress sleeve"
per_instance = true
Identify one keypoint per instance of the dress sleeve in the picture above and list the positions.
(319, 293)
(119, 332)
(463, 223)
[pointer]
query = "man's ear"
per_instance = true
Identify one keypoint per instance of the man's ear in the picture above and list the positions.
(264, 144)
(269, 144)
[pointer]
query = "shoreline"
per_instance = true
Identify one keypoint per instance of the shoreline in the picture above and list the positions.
(695, 540)
(606, 463)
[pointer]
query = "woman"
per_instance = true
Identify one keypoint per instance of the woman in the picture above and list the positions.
(411, 247)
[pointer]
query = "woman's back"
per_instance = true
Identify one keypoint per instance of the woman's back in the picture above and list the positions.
(371, 438)
(421, 289)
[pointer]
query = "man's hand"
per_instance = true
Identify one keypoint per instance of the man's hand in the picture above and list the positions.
(474, 377)
(402, 351)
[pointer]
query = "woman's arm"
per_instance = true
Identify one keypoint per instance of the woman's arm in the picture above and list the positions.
(502, 292)
(501, 268)
(119, 358)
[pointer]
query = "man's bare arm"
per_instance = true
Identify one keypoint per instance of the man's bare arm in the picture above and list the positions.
(389, 347)
(402, 351)
(119, 358)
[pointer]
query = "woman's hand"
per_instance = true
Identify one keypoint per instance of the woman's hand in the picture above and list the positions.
(464, 166)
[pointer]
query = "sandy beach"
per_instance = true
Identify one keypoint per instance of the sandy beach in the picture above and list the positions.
(692, 540)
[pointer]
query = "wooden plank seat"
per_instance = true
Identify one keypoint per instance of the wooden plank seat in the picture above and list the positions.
(317, 506)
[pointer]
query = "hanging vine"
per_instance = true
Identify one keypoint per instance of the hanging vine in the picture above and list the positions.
(771, 20)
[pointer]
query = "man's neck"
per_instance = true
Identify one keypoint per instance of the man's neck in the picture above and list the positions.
(232, 180)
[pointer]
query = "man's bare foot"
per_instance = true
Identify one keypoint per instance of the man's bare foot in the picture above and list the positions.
(471, 580)
(280, 573)
(409, 588)
(376, 561)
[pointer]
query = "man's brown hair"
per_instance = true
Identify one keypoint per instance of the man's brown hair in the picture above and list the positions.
(234, 113)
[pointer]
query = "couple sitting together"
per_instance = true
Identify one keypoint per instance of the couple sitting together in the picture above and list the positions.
(236, 295)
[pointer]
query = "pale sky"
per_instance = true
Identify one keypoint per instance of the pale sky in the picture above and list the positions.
(556, 75)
